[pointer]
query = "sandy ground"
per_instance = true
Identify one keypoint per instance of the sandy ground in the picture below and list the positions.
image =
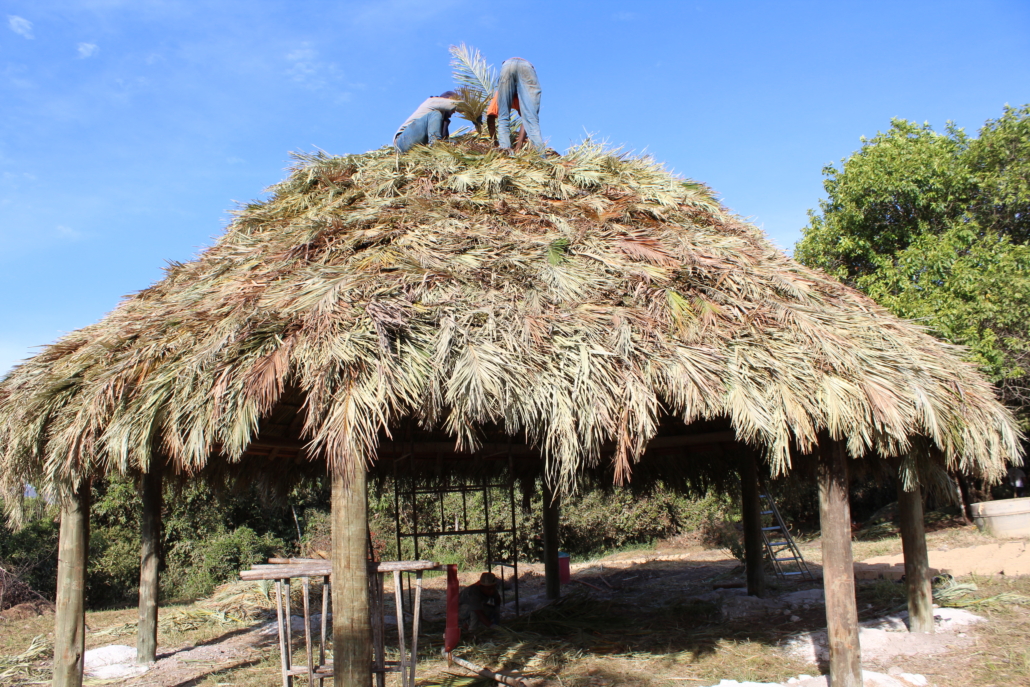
(1003, 558)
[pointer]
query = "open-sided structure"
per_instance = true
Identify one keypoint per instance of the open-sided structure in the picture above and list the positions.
(589, 308)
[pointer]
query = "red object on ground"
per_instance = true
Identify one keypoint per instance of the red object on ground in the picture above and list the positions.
(564, 574)
(452, 635)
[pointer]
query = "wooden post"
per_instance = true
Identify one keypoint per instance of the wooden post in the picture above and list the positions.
(150, 558)
(70, 618)
(917, 561)
(552, 506)
(838, 565)
(751, 510)
(352, 629)
(963, 492)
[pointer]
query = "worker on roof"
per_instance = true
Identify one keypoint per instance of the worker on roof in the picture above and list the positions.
(427, 124)
(479, 604)
(519, 89)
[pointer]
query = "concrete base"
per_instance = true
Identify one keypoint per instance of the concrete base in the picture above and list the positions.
(1006, 519)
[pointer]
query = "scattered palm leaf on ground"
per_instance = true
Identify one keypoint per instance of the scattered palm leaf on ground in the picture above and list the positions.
(30, 666)
(951, 593)
(572, 613)
(457, 680)
(232, 604)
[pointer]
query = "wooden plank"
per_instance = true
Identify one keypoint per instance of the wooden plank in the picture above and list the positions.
(70, 618)
(918, 579)
(262, 571)
(416, 620)
(483, 671)
(405, 566)
(150, 559)
(398, 598)
(715, 438)
(838, 565)
(751, 510)
(305, 586)
(283, 651)
(352, 630)
(551, 516)
(287, 629)
(325, 619)
(377, 580)
(282, 573)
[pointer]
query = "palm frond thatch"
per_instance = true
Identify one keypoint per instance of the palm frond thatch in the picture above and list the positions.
(573, 302)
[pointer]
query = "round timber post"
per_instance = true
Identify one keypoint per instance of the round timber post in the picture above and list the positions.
(918, 581)
(963, 490)
(150, 558)
(352, 627)
(838, 565)
(552, 576)
(751, 511)
(70, 617)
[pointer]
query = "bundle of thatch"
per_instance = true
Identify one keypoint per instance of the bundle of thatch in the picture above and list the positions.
(576, 302)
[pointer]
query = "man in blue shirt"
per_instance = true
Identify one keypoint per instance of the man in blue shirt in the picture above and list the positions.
(427, 124)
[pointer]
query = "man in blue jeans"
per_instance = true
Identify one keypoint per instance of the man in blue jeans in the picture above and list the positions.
(428, 124)
(518, 89)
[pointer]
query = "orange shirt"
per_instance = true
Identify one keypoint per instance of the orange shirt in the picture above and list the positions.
(493, 109)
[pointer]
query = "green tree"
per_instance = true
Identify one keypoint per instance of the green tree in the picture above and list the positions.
(936, 227)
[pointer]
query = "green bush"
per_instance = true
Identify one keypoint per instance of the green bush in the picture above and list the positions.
(196, 566)
(30, 552)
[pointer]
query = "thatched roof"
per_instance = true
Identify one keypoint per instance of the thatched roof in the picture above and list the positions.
(572, 302)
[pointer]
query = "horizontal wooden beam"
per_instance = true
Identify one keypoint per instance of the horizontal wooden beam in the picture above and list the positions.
(316, 568)
(499, 450)
(495, 450)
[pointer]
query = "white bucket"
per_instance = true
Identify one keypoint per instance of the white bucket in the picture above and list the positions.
(1008, 518)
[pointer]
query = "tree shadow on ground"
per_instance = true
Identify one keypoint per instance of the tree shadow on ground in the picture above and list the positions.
(650, 609)
(200, 679)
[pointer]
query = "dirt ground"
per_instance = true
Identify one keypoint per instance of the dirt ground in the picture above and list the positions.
(669, 615)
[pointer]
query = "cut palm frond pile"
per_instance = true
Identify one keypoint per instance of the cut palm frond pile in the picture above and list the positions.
(949, 592)
(29, 667)
(235, 604)
(575, 302)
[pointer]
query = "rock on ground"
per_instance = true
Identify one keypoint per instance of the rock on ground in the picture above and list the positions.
(886, 637)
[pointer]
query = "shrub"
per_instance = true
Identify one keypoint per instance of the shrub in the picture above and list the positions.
(196, 567)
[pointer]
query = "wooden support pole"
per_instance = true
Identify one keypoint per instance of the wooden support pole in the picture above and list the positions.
(751, 510)
(70, 618)
(917, 561)
(552, 506)
(963, 491)
(150, 558)
(352, 629)
(838, 565)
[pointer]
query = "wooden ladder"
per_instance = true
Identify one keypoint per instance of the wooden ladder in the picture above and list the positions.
(780, 545)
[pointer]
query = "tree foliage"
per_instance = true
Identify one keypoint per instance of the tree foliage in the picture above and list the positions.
(936, 227)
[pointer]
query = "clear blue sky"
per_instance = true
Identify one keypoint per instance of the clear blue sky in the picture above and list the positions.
(128, 128)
